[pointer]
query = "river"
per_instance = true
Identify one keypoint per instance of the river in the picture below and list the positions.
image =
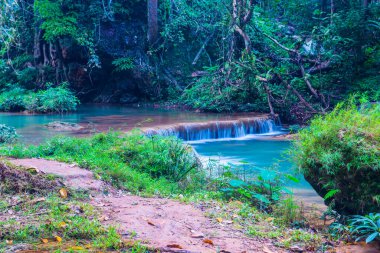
(237, 139)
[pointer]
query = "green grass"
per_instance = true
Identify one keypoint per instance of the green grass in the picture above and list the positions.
(140, 164)
(339, 155)
(68, 219)
(54, 99)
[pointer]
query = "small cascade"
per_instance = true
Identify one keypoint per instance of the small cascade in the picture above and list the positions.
(218, 129)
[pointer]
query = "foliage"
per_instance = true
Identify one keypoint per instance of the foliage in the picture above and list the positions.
(12, 100)
(288, 212)
(54, 99)
(357, 227)
(339, 156)
(295, 60)
(365, 227)
(123, 64)
(262, 192)
(7, 134)
(150, 165)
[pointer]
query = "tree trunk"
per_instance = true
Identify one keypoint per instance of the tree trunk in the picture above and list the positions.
(152, 21)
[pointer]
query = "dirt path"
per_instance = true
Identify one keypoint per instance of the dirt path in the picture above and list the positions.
(165, 224)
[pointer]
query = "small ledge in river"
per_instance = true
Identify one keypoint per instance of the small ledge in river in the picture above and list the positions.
(63, 126)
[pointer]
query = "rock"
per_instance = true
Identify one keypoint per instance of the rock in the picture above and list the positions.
(63, 126)
(296, 248)
(197, 234)
(18, 247)
(128, 99)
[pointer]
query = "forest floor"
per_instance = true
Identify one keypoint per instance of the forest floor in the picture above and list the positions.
(161, 224)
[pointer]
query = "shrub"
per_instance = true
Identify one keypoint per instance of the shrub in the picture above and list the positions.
(7, 134)
(158, 165)
(159, 156)
(54, 99)
(339, 156)
(12, 100)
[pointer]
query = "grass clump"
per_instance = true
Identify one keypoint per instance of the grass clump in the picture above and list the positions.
(339, 155)
(54, 99)
(135, 162)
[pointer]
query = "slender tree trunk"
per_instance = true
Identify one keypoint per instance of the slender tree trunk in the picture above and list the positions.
(152, 21)
(267, 90)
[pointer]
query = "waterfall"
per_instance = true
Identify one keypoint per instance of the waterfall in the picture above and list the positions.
(218, 129)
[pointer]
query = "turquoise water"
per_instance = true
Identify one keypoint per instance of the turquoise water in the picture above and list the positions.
(255, 156)
(257, 153)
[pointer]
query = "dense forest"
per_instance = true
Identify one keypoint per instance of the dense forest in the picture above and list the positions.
(294, 58)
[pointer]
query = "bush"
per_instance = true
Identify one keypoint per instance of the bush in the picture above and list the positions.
(12, 100)
(131, 161)
(54, 99)
(7, 134)
(339, 155)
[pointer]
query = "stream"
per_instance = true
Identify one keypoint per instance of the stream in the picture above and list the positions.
(242, 139)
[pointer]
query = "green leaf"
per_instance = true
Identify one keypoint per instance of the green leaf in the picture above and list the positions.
(372, 237)
(330, 194)
(237, 183)
(292, 178)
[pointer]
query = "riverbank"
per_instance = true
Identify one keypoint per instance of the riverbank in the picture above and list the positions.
(155, 223)
(111, 181)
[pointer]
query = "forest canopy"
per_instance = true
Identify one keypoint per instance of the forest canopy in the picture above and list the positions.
(294, 58)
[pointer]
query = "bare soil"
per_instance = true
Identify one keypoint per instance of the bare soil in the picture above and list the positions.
(164, 224)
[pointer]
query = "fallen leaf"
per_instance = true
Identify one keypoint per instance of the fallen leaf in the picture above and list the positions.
(58, 239)
(62, 224)
(88, 246)
(208, 241)
(63, 193)
(177, 246)
(270, 219)
(219, 220)
(9, 242)
(77, 248)
(104, 218)
(151, 223)
(44, 240)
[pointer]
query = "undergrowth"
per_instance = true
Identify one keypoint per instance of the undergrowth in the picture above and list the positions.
(53, 99)
(134, 162)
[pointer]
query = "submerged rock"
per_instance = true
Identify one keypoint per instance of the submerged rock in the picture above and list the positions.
(64, 126)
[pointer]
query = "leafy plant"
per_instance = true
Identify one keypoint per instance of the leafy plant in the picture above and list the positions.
(54, 99)
(260, 192)
(122, 64)
(12, 100)
(365, 227)
(340, 157)
(7, 134)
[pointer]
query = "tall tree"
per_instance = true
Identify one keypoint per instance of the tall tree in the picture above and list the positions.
(152, 21)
